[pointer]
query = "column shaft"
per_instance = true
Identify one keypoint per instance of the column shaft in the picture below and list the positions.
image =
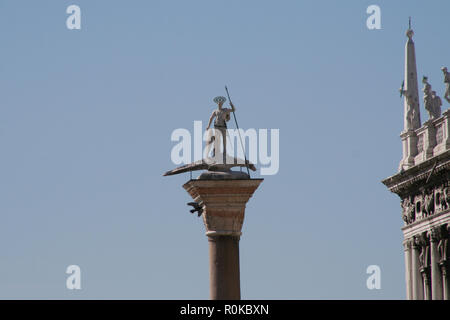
(408, 275)
(426, 285)
(445, 289)
(436, 277)
(224, 268)
(417, 284)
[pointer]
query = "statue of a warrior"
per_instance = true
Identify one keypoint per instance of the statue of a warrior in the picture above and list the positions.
(447, 83)
(221, 116)
(427, 98)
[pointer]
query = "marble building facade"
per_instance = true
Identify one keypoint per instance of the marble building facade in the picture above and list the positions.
(423, 185)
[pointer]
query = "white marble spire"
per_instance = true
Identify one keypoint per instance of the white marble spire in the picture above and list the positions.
(411, 88)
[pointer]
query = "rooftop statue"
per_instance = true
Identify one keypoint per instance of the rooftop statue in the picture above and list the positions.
(447, 83)
(218, 165)
(437, 103)
(432, 102)
(411, 115)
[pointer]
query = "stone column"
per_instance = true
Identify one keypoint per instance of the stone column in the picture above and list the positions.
(426, 284)
(224, 268)
(436, 277)
(424, 266)
(443, 262)
(408, 275)
(223, 201)
(445, 289)
(417, 284)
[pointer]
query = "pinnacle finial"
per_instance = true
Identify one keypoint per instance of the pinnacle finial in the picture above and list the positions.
(409, 32)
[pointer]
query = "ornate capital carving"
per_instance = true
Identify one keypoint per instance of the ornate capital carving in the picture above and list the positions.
(434, 234)
(223, 203)
(408, 244)
(416, 242)
(443, 244)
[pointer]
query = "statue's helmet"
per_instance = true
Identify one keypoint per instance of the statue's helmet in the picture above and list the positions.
(219, 99)
(444, 69)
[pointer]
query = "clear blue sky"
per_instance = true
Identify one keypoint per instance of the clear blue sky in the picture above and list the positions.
(85, 124)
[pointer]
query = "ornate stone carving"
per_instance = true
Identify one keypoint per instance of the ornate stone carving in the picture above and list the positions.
(424, 248)
(409, 211)
(443, 243)
(428, 204)
(223, 203)
(408, 244)
(434, 234)
(442, 198)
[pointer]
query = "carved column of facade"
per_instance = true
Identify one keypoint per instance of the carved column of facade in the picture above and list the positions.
(445, 287)
(424, 266)
(429, 140)
(443, 262)
(409, 142)
(417, 284)
(408, 274)
(223, 202)
(436, 277)
(446, 128)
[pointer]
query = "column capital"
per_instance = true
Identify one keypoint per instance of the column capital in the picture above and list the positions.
(420, 240)
(223, 202)
(434, 234)
(408, 243)
(415, 242)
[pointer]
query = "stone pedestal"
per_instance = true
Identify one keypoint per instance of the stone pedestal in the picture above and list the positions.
(223, 200)
(446, 115)
(430, 139)
(409, 143)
